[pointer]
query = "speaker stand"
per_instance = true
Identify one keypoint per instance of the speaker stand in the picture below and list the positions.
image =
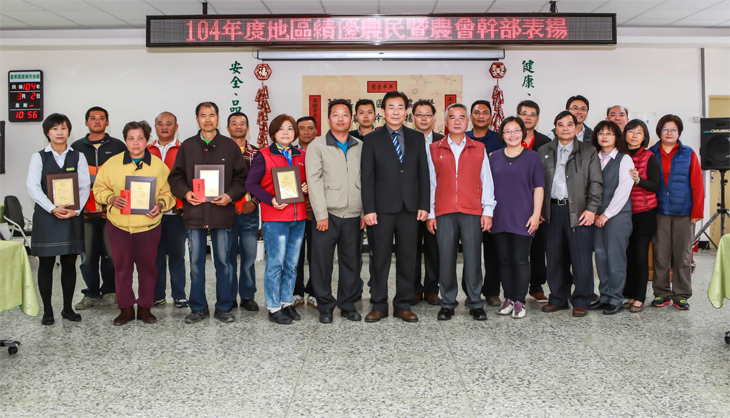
(722, 212)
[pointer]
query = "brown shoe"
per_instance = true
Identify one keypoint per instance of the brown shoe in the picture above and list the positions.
(126, 315)
(407, 316)
(375, 316)
(540, 297)
(432, 299)
(551, 308)
(144, 315)
(494, 301)
(578, 312)
(417, 298)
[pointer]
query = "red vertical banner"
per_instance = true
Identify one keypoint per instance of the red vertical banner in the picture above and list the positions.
(315, 111)
(449, 99)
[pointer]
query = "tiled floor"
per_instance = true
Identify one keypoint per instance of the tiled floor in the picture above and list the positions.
(659, 363)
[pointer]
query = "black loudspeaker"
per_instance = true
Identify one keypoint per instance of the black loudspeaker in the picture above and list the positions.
(715, 143)
(2, 147)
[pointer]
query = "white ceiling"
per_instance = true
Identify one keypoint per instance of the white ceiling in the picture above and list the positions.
(126, 14)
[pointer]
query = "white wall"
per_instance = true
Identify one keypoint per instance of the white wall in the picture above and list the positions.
(137, 83)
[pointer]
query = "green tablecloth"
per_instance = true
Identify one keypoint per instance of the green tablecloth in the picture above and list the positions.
(720, 282)
(17, 287)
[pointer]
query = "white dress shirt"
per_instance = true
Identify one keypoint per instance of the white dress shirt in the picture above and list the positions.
(625, 182)
(35, 171)
(163, 153)
(485, 175)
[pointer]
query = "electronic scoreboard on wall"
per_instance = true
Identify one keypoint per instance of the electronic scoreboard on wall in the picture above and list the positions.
(465, 30)
(25, 96)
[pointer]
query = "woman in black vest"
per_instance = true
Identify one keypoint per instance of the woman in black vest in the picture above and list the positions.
(57, 230)
(613, 223)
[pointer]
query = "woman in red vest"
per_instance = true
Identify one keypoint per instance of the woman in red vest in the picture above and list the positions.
(282, 224)
(643, 202)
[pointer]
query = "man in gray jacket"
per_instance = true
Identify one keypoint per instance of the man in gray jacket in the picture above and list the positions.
(574, 185)
(333, 176)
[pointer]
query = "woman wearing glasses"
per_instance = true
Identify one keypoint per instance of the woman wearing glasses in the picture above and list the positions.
(643, 202)
(519, 186)
(613, 222)
(680, 204)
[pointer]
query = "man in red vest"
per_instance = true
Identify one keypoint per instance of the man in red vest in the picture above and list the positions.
(462, 204)
(171, 251)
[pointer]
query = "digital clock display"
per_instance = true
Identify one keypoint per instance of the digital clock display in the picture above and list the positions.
(25, 96)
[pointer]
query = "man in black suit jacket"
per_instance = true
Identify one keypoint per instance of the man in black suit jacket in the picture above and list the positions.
(529, 112)
(424, 116)
(395, 195)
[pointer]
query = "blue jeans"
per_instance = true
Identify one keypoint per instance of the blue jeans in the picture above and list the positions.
(197, 243)
(282, 241)
(245, 235)
(171, 251)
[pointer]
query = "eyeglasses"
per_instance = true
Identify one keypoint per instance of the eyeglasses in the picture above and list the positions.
(633, 132)
(528, 115)
(576, 108)
(516, 131)
(423, 115)
(666, 131)
(606, 133)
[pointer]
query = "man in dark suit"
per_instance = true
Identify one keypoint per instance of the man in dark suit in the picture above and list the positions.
(529, 112)
(395, 195)
(424, 116)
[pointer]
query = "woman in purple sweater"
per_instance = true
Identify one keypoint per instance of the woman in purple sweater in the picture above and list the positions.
(519, 185)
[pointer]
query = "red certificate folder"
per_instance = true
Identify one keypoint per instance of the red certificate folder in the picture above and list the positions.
(126, 195)
(199, 189)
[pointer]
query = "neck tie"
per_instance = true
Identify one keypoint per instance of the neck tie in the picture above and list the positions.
(396, 143)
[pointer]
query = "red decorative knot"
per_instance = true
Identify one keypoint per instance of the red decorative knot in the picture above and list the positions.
(497, 70)
(262, 72)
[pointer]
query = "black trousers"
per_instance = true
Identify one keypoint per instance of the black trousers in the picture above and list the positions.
(637, 267)
(490, 287)
(404, 226)
(427, 248)
(343, 233)
(299, 287)
(579, 242)
(514, 264)
(451, 228)
(538, 269)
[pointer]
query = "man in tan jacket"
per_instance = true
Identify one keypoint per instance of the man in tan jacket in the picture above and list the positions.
(333, 176)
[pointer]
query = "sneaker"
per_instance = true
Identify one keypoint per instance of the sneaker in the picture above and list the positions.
(682, 305)
(279, 317)
(291, 313)
(297, 301)
(659, 302)
(195, 317)
(519, 310)
(507, 307)
(86, 303)
(110, 299)
(223, 316)
(160, 302)
(181, 303)
(311, 301)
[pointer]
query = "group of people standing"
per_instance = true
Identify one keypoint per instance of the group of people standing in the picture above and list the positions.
(538, 206)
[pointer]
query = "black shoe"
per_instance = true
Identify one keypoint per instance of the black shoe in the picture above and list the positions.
(250, 305)
(47, 319)
(279, 317)
(350, 315)
(478, 314)
(235, 304)
(445, 314)
(611, 309)
(291, 313)
(597, 305)
(326, 317)
(223, 316)
(71, 316)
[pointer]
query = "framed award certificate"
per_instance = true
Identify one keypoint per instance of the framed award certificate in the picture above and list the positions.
(287, 184)
(143, 191)
(63, 189)
(214, 180)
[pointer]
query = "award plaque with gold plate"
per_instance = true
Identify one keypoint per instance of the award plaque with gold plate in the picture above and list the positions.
(287, 184)
(63, 189)
(143, 191)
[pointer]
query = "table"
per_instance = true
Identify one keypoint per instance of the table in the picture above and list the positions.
(17, 287)
(720, 282)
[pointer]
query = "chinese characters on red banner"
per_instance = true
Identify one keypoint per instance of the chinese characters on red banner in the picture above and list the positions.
(376, 29)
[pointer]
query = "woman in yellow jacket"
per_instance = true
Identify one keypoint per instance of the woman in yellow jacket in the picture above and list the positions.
(134, 237)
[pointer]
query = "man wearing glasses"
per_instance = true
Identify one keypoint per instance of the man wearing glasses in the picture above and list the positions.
(578, 106)
(423, 119)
